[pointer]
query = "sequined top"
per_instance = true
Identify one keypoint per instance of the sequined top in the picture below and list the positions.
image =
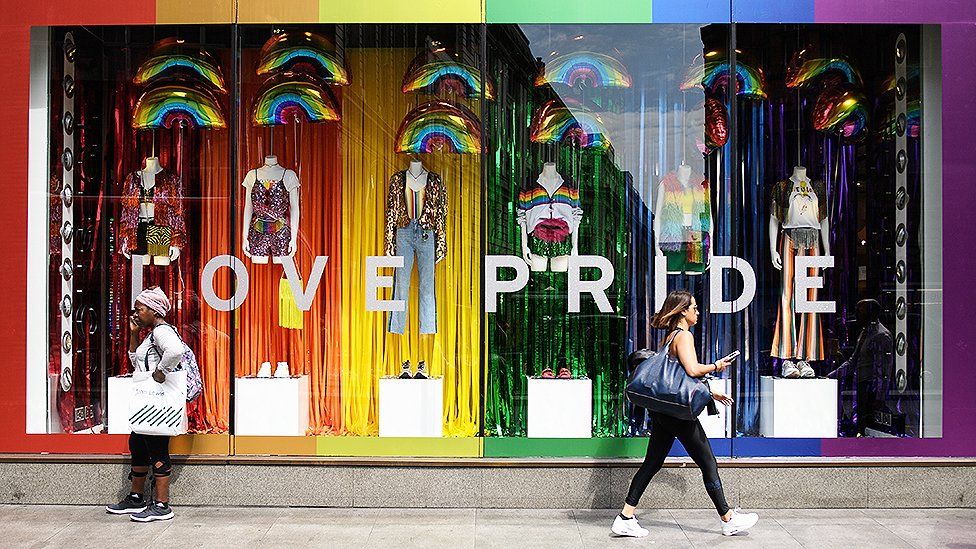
(433, 215)
(167, 200)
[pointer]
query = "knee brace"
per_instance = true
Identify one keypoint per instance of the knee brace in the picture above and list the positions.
(162, 468)
(137, 474)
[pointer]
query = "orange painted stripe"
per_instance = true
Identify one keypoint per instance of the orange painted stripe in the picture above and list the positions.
(275, 11)
(170, 12)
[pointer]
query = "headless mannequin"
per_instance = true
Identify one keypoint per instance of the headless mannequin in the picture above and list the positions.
(147, 178)
(799, 175)
(271, 170)
(417, 178)
(550, 181)
(683, 173)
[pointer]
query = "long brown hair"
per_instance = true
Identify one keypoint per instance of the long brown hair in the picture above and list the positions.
(668, 317)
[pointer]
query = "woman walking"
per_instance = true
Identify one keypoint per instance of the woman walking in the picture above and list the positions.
(160, 352)
(677, 316)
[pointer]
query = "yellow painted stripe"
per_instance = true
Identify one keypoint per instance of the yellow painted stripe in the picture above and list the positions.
(191, 445)
(276, 11)
(274, 446)
(169, 12)
(401, 447)
(398, 11)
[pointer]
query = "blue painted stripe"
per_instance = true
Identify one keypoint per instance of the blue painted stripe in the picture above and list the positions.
(691, 11)
(776, 447)
(772, 11)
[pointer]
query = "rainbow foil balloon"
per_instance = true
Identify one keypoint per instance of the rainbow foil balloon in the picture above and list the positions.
(290, 98)
(303, 52)
(161, 67)
(801, 71)
(713, 76)
(716, 125)
(162, 106)
(554, 122)
(585, 68)
(447, 77)
(841, 110)
(439, 126)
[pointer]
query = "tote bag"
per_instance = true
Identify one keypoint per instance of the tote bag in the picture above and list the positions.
(158, 408)
(661, 384)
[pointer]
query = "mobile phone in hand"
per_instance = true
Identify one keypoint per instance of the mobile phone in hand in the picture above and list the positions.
(731, 356)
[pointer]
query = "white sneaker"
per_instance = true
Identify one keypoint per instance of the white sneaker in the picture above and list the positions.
(740, 522)
(628, 527)
(264, 370)
(282, 370)
(806, 371)
(790, 370)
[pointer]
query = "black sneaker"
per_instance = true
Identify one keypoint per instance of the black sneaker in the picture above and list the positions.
(421, 371)
(131, 504)
(156, 511)
(405, 370)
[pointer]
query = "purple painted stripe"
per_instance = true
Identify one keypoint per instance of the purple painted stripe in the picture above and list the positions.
(959, 265)
(894, 11)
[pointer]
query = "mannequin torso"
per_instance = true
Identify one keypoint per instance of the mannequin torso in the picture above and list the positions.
(271, 212)
(553, 207)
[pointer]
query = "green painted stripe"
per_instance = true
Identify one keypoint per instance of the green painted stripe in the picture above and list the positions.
(565, 447)
(401, 447)
(568, 11)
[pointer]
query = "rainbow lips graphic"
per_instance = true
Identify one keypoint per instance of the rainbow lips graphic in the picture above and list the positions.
(439, 126)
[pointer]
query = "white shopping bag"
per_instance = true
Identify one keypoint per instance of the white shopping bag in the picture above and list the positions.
(158, 408)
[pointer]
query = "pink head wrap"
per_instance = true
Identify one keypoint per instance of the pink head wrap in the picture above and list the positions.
(155, 299)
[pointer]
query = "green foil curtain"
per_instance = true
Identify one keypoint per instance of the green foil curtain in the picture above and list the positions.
(532, 328)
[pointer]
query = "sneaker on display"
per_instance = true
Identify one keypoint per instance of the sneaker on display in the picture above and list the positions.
(264, 370)
(739, 522)
(790, 370)
(547, 374)
(405, 370)
(156, 511)
(133, 503)
(421, 371)
(806, 371)
(564, 373)
(627, 527)
(282, 370)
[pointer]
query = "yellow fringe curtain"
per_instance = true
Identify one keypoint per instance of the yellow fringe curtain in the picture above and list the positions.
(372, 108)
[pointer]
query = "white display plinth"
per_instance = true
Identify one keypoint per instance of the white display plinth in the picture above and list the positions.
(412, 407)
(797, 408)
(119, 391)
(560, 408)
(718, 426)
(271, 406)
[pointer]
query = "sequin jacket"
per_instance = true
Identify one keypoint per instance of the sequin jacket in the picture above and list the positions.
(167, 208)
(433, 216)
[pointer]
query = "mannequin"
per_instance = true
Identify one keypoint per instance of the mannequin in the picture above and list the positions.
(416, 220)
(271, 233)
(798, 226)
(152, 224)
(559, 206)
(669, 242)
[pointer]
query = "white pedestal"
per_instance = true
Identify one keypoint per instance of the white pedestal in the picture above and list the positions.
(119, 391)
(560, 408)
(412, 407)
(271, 406)
(718, 426)
(798, 408)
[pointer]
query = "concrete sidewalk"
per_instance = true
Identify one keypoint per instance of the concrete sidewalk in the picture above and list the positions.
(83, 526)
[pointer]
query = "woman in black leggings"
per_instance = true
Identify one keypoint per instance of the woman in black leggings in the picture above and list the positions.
(677, 316)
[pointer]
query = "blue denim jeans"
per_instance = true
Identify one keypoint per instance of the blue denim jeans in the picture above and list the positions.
(413, 242)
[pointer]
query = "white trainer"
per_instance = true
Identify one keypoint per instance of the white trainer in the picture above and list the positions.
(790, 370)
(806, 371)
(740, 522)
(628, 527)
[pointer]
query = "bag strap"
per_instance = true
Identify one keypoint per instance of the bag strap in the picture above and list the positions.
(671, 339)
(152, 342)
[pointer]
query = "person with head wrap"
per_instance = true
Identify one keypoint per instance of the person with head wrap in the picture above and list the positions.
(160, 352)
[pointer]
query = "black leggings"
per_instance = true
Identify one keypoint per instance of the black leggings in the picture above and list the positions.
(664, 429)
